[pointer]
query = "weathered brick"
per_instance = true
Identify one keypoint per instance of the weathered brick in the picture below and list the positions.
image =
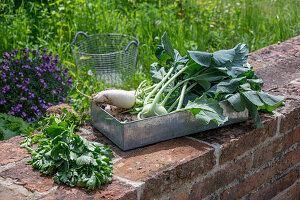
(10, 151)
(221, 178)
(291, 109)
(167, 165)
(272, 189)
(292, 193)
(180, 196)
(248, 140)
(262, 176)
(28, 177)
(115, 190)
(266, 153)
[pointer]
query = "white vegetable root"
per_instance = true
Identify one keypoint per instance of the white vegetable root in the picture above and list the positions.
(119, 98)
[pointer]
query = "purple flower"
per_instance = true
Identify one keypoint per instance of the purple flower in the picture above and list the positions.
(60, 103)
(45, 85)
(3, 75)
(5, 67)
(70, 80)
(42, 81)
(27, 81)
(19, 85)
(24, 88)
(38, 74)
(57, 77)
(35, 108)
(15, 79)
(5, 89)
(21, 74)
(59, 90)
(30, 95)
(3, 101)
(63, 83)
(23, 98)
(26, 67)
(70, 85)
(45, 50)
(23, 114)
(63, 99)
(17, 61)
(50, 104)
(11, 113)
(69, 101)
(11, 73)
(53, 92)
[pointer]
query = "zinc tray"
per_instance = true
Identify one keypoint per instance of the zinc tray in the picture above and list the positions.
(130, 135)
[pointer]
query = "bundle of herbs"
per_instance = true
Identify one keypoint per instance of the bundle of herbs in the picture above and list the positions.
(198, 81)
(72, 159)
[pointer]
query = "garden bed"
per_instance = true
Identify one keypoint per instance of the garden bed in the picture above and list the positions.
(227, 163)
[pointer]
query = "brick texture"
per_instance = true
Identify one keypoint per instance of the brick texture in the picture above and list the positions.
(272, 189)
(255, 180)
(221, 178)
(249, 140)
(271, 150)
(292, 193)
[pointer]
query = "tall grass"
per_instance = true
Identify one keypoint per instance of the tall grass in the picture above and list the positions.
(191, 25)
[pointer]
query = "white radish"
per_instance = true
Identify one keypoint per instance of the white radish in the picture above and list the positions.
(119, 98)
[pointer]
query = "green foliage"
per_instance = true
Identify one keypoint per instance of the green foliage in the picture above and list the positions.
(72, 159)
(11, 126)
(192, 25)
(187, 82)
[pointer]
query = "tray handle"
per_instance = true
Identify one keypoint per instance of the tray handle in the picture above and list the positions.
(75, 38)
(130, 43)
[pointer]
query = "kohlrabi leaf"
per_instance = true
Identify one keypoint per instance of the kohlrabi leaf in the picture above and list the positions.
(157, 73)
(159, 50)
(166, 43)
(211, 74)
(179, 58)
(206, 110)
(202, 58)
(253, 111)
(232, 59)
(253, 97)
(271, 102)
(237, 102)
(226, 87)
(255, 84)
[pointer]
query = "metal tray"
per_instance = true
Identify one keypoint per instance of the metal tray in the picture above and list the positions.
(130, 135)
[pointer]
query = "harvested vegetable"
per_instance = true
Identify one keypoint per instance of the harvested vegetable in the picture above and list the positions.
(119, 98)
(198, 81)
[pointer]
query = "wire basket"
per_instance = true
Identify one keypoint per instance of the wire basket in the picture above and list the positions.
(112, 57)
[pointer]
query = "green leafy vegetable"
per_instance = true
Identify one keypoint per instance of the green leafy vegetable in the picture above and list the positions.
(72, 159)
(186, 82)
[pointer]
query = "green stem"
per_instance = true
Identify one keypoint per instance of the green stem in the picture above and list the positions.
(158, 95)
(187, 90)
(181, 96)
(176, 86)
(158, 86)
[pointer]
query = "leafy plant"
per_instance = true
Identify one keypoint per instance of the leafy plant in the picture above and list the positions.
(11, 126)
(199, 81)
(72, 159)
(31, 82)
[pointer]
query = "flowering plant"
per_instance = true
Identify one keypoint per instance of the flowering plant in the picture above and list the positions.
(31, 81)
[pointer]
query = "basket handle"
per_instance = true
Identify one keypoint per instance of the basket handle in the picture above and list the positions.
(130, 43)
(76, 35)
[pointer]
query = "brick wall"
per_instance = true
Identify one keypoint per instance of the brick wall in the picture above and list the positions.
(238, 161)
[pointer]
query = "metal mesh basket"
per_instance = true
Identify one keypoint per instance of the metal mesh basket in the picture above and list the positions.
(112, 57)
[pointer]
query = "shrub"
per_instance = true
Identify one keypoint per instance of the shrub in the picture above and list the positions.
(31, 81)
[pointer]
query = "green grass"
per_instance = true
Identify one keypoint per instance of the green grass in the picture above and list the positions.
(191, 25)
